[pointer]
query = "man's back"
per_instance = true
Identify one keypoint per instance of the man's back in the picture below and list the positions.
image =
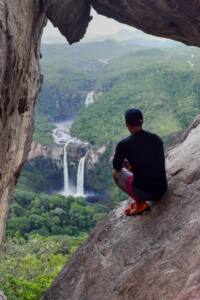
(145, 153)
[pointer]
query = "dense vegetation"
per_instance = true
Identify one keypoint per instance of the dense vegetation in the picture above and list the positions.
(165, 87)
(42, 233)
(28, 267)
(51, 215)
(41, 175)
(72, 72)
(43, 130)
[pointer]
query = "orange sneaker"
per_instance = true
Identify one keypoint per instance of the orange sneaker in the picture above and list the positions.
(137, 209)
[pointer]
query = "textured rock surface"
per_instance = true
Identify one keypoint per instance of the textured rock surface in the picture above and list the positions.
(175, 19)
(70, 16)
(54, 152)
(21, 24)
(152, 257)
(2, 296)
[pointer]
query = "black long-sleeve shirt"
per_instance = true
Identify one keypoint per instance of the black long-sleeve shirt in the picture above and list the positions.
(144, 152)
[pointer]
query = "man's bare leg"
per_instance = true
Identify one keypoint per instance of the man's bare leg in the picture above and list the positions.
(121, 179)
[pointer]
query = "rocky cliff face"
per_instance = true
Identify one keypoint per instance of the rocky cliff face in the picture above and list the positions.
(154, 256)
(173, 19)
(21, 27)
(70, 16)
(53, 152)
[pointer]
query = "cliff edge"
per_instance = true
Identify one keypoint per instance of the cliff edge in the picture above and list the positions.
(149, 257)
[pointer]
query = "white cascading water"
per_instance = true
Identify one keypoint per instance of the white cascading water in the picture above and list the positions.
(90, 98)
(67, 190)
(80, 177)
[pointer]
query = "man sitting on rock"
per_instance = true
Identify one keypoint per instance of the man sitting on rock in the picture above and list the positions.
(139, 165)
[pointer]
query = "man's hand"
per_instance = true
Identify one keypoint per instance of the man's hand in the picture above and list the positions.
(115, 174)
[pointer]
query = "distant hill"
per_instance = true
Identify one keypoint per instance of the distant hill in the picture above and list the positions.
(131, 36)
(163, 82)
(73, 71)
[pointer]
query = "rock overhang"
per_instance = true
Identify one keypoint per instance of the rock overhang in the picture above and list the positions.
(70, 16)
(178, 20)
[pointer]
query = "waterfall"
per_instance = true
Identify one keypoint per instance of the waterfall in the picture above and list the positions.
(90, 98)
(67, 190)
(80, 176)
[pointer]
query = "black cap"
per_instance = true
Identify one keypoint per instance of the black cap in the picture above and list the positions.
(134, 117)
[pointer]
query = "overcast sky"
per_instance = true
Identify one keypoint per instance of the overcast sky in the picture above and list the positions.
(98, 26)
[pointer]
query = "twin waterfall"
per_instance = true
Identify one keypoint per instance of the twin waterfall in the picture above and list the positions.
(67, 190)
(61, 135)
(80, 176)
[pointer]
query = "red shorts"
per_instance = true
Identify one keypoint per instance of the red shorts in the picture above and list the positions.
(126, 183)
(129, 186)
